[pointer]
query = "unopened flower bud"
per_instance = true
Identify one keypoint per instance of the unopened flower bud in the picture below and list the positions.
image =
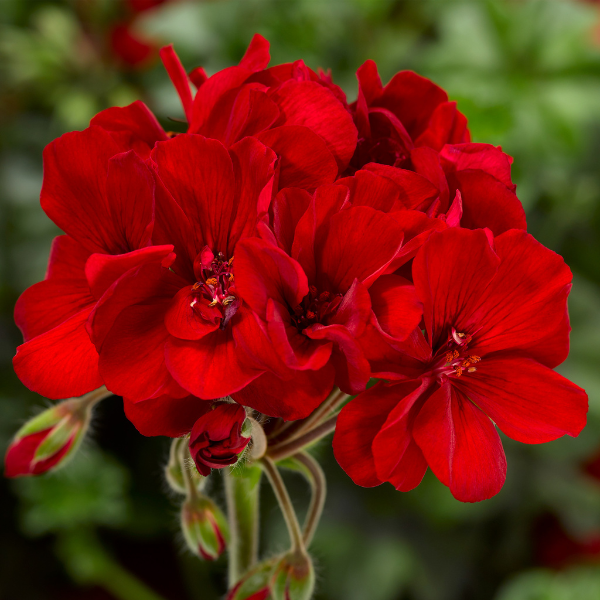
(204, 527)
(293, 577)
(255, 584)
(217, 440)
(51, 438)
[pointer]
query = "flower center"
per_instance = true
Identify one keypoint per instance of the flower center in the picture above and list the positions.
(453, 359)
(216, 285)
(315, 308)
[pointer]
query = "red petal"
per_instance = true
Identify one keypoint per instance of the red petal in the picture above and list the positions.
(134, 126)
(199, 174)
(102, 270)
(290, 399)
(287, 208)
(527, 401)
(398, 459)
(305, 161)
(441, 128)
(525, 306)
(311, 105)
(369, 189)
(74, 189)
(64, 293)
(359, 243)
(450, 273)
(61, 363)
(369, 81)
(426, 162)
(219, 422)
(396, 306)
(257, 55)
(480, 157)
(179, 78)
(461, 445)
(412, 99)
(130, 197)
(487, 202)
(132, 359)
(357, 426)
(165, 415)
(211, 367)
(262, 271)
(190, 317)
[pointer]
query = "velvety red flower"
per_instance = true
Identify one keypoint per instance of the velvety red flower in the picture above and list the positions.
(103, 198)
(410, 132)
(300, 115)
(496, 324)
(179, 327)
(310, 289)
(216, 440)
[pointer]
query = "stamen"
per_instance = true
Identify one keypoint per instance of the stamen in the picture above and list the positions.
(212, 281)
(472, 369)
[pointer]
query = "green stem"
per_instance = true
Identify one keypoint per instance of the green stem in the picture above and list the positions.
(289, 448)
(242, 487)
(285, 503)
(313, 472)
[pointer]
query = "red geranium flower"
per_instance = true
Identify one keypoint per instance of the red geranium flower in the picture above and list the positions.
(496, 323)
(180, 327)
(410, 132)
(301, 116)
(104, 200)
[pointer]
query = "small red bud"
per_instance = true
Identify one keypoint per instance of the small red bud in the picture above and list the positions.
(254, 585)
(49, 439)
(204, 527)
(293, 577)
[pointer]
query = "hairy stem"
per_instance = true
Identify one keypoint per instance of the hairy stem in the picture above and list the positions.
(287, 508)
(313, 472)
(242, 490)
(290, 447)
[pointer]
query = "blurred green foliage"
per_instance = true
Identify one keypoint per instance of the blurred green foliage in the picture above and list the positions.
(527, 75)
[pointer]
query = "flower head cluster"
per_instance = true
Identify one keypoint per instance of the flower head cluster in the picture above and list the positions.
(289, 243)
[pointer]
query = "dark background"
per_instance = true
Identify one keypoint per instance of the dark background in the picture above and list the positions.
(527, 75)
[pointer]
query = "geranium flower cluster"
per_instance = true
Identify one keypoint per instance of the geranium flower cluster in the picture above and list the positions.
(290, 243)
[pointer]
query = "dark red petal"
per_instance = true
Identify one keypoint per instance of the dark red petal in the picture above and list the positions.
(487, 202)
(527, 401)
(102, 270)
(369, 189)
(219, 422)
(61, 363)
(199, 174)
(441, 128)
(398, 459)
(450, 272)
(426, 162)
(263, 271)
(74, 189)
(311, 105)
(369, 81)
(179, 78)
(254, 168)
(257, 55)
(211, 367)
(287, 208)
(359, 243)
(412, 99)
(63, 294)
(525, 306)
(165, 415)
(130, 197)
(417, 191)
(189, 316)
(357, 426)
(134, 125)
(289, 399)
(305, 160)
(294, 348)
(132, 359)
(396, 306)
(211, 91)
(479, 157)
(461, 445)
